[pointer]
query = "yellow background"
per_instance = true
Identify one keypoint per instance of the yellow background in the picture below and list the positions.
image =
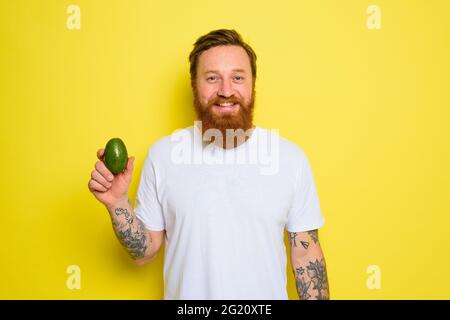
(369, 107)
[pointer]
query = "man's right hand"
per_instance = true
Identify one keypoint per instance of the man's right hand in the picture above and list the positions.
(107, 188)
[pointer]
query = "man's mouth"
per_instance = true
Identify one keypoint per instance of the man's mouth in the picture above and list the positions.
(226, 107)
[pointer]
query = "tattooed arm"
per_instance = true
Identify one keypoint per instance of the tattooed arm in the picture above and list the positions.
(141, 244)
(308, 265)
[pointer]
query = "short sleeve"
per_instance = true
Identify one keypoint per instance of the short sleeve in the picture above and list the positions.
(147, 206)
(305, 213)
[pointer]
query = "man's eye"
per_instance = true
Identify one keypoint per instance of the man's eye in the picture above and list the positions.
(211, 78)
(239, 78)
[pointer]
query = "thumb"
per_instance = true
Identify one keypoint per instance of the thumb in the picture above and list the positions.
(130, 164)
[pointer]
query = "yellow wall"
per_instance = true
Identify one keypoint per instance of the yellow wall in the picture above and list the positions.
(369, 107)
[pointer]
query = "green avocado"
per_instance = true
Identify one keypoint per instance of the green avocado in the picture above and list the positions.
(115, 156)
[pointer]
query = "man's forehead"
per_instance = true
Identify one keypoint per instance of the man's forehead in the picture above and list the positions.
(224, 58)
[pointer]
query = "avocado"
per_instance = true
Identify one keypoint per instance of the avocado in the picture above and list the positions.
(115, 156)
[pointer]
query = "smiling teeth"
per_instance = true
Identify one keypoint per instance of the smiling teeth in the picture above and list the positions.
(226, 104)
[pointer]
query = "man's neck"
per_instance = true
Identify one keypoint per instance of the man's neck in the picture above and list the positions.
(232, 140)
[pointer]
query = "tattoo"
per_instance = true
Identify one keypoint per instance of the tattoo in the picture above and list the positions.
(132, 236)
(300, 271)
(310, 276)
(302, 288)
(292, 236)
(317, 273)
(305, 244)
(120, 211)
(314, 234)
(314, 278)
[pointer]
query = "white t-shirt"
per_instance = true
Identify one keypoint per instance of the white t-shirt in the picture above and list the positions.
(225, 212)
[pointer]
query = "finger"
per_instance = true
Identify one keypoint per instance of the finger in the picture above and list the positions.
(100, 153)
(100, 179)
(100, 166)
(95, 186)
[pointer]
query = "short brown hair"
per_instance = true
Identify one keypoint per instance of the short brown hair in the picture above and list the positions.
(220, 37)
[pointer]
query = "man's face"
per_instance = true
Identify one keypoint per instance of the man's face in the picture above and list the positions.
(223, 89)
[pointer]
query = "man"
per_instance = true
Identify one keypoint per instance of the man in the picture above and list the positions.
(207, 192)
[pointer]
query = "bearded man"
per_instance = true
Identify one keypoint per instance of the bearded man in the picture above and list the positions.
(207, 194)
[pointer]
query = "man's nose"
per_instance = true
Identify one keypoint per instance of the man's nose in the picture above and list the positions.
(225, 89)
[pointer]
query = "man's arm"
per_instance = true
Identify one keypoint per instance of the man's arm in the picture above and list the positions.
(308, 265)
(141, 244)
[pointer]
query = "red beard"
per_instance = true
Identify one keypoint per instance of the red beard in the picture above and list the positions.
(243, 119)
